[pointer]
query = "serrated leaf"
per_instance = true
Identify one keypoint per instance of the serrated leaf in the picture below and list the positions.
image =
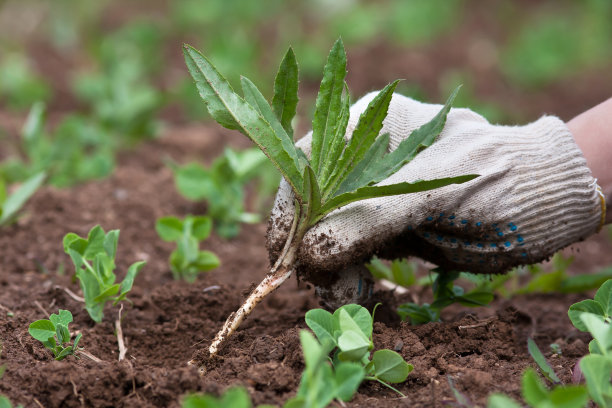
(311, 202)
(328, 105)
(169, 228)
(18, 198)
(379, 169)
(254, 97)
(338, 142)
(285, 100)
(323, 324)
(390, 367)
(233, 112)
(368, 127)
(539, 358)
(388, 190)
(584, 306)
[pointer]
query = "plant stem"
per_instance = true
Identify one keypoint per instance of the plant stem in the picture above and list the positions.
(279, 273)
(385, 384)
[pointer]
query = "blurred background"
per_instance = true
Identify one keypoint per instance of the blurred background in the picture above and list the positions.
(81, 80)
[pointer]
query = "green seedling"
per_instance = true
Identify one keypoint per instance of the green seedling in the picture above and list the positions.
(10, 204)
(445, 293)
(20, 86)
(401, 272)
(541, 361)
(337, 172)
(54, 333)
(537, 395)
(321, 382)
(187, 261)
(222, 186)
(594, 316)
(349, 331)
(94, 261)
(78, 150)
(236, 397)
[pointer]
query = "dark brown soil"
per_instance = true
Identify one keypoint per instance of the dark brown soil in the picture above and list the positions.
(482, 350)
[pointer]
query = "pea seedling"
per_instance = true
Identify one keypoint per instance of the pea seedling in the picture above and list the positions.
(336, 173)
(186, 261)
(54, 333)
(349, 330)
(94, 261)
(222, 186)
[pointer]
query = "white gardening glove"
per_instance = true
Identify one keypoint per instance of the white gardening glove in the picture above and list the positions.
(534, 195)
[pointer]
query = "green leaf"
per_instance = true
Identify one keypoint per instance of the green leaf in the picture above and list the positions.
(285, 100)
(233, 112)
(568, 397)
(328, 106)
(604, 297)
(64, 353)
(601, 331)
(475, 299)
(338, 142)
(194, 182)
(169, 228)
(206, 261)
(583, 283)
(107, 293)
(388, 190)
(18, 198)
(42, 330)
(368, 127)
(596, 370)
(111, 239)
(534, 391)
(348, 376)
(76, 341)
(201, 227)
(5, 402)
(254, 97)
(128, 281)
(63, 317)
(501, 401)
(311, 202)
(390, 367)
(323, 324)
(236, 397)
(539, 358)
(585, 306)
(418, 314)
(62, 333)
(313, 352)
(354, 317)
(353, 345)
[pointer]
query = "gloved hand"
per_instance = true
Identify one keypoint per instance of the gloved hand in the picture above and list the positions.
(534, 195)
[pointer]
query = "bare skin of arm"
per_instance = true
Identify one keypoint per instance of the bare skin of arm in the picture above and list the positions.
(592, 131)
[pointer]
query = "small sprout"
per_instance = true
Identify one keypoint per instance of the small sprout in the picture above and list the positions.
(349, 332)
(556, 349)
(11, 204)
(187, 261)
(401, 272)
(94, 261)
(222, 186)
(539, 358)
(54, 333)
(445, 293)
